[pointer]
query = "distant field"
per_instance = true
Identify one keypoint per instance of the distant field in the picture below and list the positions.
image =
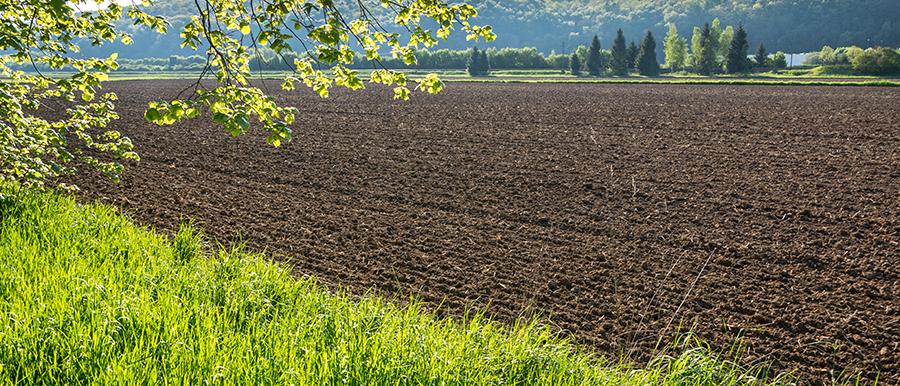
(791, 76)
(599, 204)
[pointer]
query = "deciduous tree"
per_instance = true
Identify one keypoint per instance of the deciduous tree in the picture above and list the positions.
(675, 48)
(715, 36)
(725, 39)
(827, 55)
(877, 61)
(695, 47)
(780, 60)
(45, 33)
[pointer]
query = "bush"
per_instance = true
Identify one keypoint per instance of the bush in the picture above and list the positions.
(838, 69)
(877, 61)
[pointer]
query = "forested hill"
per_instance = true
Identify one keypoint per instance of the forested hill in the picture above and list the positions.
(786, 25)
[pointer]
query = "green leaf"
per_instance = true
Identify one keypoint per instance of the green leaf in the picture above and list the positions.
(242, 122)
(58, 6)
(152, 115)
(219, 117)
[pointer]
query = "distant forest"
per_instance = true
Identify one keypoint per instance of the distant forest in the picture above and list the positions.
(559, 26)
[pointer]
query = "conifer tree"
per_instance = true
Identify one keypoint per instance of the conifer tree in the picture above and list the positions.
(593, 59)
(472, 62)
(575, 64)
(646, 62)
(619, 64)
(477, 64)
(761, 56)
(632, 54)
(706, 54)
(483, 63)
(737, 61)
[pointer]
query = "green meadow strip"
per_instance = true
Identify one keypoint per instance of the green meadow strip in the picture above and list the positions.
(875, 83)
(87, 297)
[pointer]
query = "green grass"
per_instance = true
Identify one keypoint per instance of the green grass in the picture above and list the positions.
(835, 75)
(87, 297)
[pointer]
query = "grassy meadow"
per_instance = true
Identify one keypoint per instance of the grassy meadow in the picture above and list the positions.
(90, 298)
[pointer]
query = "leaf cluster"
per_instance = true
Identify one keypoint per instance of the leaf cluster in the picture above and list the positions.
(47, 35)
(34, 149)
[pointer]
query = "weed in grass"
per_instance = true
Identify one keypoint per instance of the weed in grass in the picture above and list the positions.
(188, 244)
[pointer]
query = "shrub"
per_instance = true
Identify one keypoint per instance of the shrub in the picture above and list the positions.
(877, 61)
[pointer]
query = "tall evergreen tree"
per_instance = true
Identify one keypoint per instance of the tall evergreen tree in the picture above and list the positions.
(575, 64)
(593, 58)
(632, 53)
(646, 62)
(737, 61)
(706, 54)
(477, 64)
(618, 65)
(761, 55)
(675, 48)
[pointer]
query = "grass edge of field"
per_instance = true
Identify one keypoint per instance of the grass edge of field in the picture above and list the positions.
(809, 78)
(93, 298)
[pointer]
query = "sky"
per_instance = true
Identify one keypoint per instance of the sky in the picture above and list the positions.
(91, 5)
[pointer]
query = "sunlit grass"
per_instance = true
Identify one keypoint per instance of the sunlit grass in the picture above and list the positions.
(87, 297)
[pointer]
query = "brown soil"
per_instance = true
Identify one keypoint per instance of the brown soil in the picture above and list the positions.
(599, 205)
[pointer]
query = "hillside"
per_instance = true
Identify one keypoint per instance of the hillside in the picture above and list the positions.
(785, 25)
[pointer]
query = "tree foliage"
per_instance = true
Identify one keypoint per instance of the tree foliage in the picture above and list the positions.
(632, 54)
(695, 47)
(675, 48)
(478, 64)
(877, 61)
(780, 61)
(737, 62)
(792, 26)
(618, 64)
(593, 59)
(705, 56)
(761, 57)
(725, 39)
(646, 62)
(50, 33)
(714, 41)
(575, 64)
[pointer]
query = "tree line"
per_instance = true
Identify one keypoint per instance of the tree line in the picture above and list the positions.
(871, 61)
(712, 49)
(789, 26)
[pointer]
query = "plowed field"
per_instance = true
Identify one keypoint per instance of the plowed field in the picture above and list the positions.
(768, 213)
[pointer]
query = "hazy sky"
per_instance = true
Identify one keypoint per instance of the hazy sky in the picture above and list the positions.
(91, 5)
